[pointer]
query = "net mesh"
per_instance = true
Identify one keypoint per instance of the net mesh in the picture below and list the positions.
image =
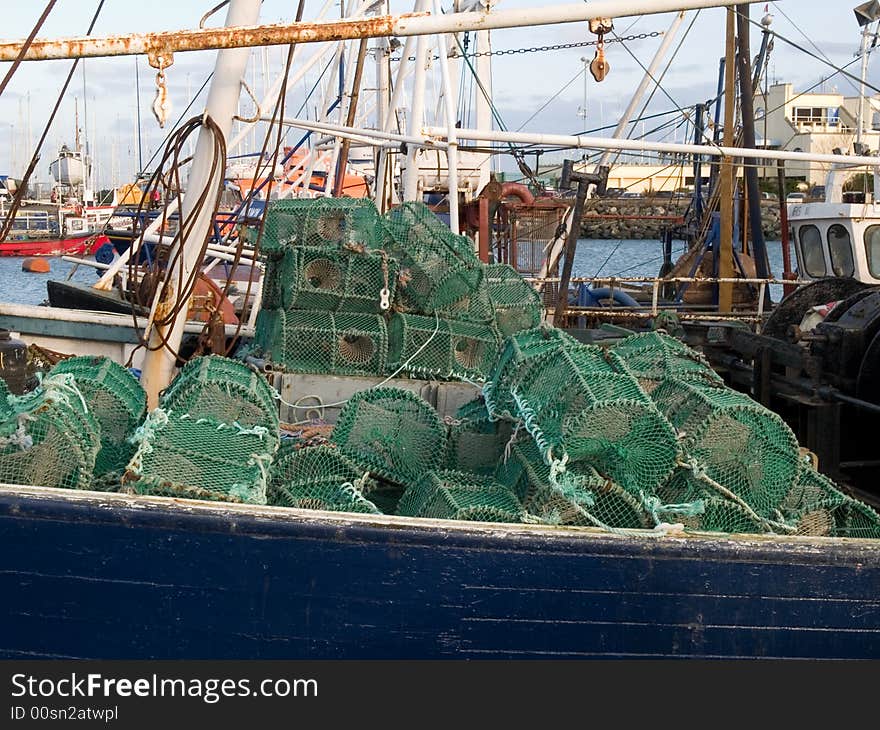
(179, 455)
(693, 502)
(334, 280)
(814, 506)
(579, 496)
(455, 495)
(437, 267)
(334, 222)
(115, 399)
(575, 408)
(317, 477)
(48, 437)
(224, 390)
(513, 361)
(734, 441)
(342, 343)
(652, 356)
(476, 443)
(475, 306)
(430, 346)
(516, 304)
(393, 432)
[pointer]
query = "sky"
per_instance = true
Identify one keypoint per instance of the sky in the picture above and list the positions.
(536, 91)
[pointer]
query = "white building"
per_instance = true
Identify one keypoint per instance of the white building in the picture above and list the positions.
(813, 122)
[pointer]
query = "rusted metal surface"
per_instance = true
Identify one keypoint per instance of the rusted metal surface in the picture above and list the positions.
(405, 24)
(169, 42)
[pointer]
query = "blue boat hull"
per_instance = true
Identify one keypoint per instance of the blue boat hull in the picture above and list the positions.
(109, 576)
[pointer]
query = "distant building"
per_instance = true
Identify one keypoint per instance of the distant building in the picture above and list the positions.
(635, 178)
(812, 122)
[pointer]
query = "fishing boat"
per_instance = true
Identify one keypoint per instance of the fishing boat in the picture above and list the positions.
(53, 246)
(109, 574)
(37, 233)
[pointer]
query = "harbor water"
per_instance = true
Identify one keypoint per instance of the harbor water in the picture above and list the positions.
(625, 258)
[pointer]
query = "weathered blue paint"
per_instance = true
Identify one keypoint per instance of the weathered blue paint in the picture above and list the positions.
(107, 576)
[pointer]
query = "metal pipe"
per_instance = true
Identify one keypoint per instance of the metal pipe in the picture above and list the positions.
(416, 112)
(481, 103)
(606, 143)
(222, 101)
(406, 24)
(338, 129)
(452, 141)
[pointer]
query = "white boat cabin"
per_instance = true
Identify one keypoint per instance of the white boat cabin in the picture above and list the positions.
(839, 236)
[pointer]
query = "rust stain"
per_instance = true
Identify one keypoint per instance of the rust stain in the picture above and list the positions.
(166, 43)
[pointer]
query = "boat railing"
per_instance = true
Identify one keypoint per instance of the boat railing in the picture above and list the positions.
(754, 314)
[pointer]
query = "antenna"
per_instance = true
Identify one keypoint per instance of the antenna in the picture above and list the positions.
(582, 110)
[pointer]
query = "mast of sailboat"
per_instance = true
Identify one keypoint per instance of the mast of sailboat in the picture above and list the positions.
(159, 361)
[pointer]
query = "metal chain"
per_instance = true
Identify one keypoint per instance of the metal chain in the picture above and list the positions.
(540, 49)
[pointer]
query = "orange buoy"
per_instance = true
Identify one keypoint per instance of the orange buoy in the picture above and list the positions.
(35, 265)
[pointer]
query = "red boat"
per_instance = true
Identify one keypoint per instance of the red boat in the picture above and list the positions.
(54, 246)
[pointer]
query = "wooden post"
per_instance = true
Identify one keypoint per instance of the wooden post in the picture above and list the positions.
(752, 195)
(570, 250)
(787, 273)
(484, 232)
(725, 255)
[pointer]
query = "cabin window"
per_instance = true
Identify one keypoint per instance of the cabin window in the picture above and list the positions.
(840, 247)
(811, 251)
(872, 249)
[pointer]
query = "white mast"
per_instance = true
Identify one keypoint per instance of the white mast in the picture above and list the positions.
(223, 96)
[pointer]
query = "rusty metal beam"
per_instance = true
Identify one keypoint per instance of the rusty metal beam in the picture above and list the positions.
(166, 43)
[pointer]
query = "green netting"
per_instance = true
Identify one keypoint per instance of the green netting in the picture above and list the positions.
(814, 506)
(336, 280)
(850, 519)
(430, 346)
(686, 499)
(516, 352)
(179, 455)
(275, 274)
(653, 356)
(48, 438)
(115, 399)
(475, 306)
(579, 496)
(225, 390)
(393, 432)
(741, 445)
(317, 477)
(269, 334)
(575, 408)
(476, 443)
(342, 343)
(437, 267)
(455, 495)
(516, 304)
(336, 222)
